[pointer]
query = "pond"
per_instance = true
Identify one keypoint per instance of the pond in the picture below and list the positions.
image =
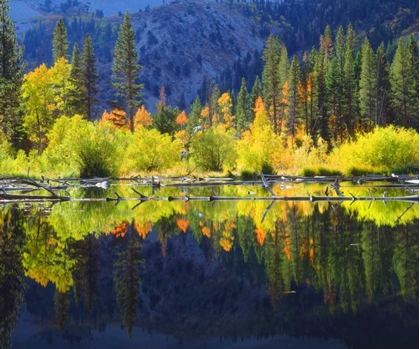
(95, 273)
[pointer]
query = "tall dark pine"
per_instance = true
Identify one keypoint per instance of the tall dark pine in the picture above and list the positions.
(194, 115)
(243, 109)
(271, 78)
(11, 73)
(77, 96)
(367, 85)
(413, 81)
(382, 92)
(126, 69)
(350, 80)
(90, 76)
(60, 41)
(294, 79)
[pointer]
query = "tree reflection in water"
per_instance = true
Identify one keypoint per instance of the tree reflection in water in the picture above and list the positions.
(303, 270)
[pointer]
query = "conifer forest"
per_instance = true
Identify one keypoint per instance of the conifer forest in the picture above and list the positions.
(332, 107)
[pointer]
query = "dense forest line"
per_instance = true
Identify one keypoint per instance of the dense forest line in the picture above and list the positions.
(301, 109)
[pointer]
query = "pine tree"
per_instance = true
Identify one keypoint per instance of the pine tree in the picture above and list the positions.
(11, 75)
(60, 42)
(336, 83)
(306, 90)
(283, 70)
(413, 82)
(319, 125)
(399, 78)
(126, 69)
(382, 86)
(243, 109)
(310, 77)
(90, 76)
(214, 110)
(349, 78)
(77, 96)
(294, 77)
(367, 84)
(334, 97)
(194, 115)
(271, 79)
(257, 91)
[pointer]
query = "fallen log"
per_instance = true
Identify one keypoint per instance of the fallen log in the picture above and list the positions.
(16, 198)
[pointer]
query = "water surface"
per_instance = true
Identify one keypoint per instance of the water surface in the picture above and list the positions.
(240, 274)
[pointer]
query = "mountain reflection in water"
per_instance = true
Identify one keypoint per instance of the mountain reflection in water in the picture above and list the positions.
(198, 275)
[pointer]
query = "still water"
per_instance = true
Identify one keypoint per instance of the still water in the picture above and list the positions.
(240, 274)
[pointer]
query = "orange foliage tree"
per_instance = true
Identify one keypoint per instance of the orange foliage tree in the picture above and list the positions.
(116, 117)
(142, 117)
(225, 104)
(181, 119)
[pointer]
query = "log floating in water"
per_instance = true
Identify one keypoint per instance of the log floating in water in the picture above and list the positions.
(12, 198)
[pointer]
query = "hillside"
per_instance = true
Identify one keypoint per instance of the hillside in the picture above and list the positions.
(180, 45)
(185, 45)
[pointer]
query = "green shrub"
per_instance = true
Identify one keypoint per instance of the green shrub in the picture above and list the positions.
(362, 170)
(406, 169)
(324, 171)
(267, 169)
(384, 149)
(97, 153)
(248, 175)
(149, 150)
(83, 148)
(213, 149)
(308, 172)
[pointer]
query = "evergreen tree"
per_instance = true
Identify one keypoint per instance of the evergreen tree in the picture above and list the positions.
(90, 76)
(367, 85)
(77, 96)
(283, 70)
(11, 74)
(243, 109)
(382, 87)
(399, 78)
(334, 97)
(336, 82)
(194, 116)
(320, 120)
(257, 91)
(293, 97)
(60, 42)
(306, 90)
(126, 69)
(413, 81)
(271, 79)
(312, 91)
(214, 110)
(349, 78)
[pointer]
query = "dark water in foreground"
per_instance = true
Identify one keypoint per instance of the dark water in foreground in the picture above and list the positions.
(209, 275)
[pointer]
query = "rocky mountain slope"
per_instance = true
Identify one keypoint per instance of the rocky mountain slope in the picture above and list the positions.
(181, 44)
